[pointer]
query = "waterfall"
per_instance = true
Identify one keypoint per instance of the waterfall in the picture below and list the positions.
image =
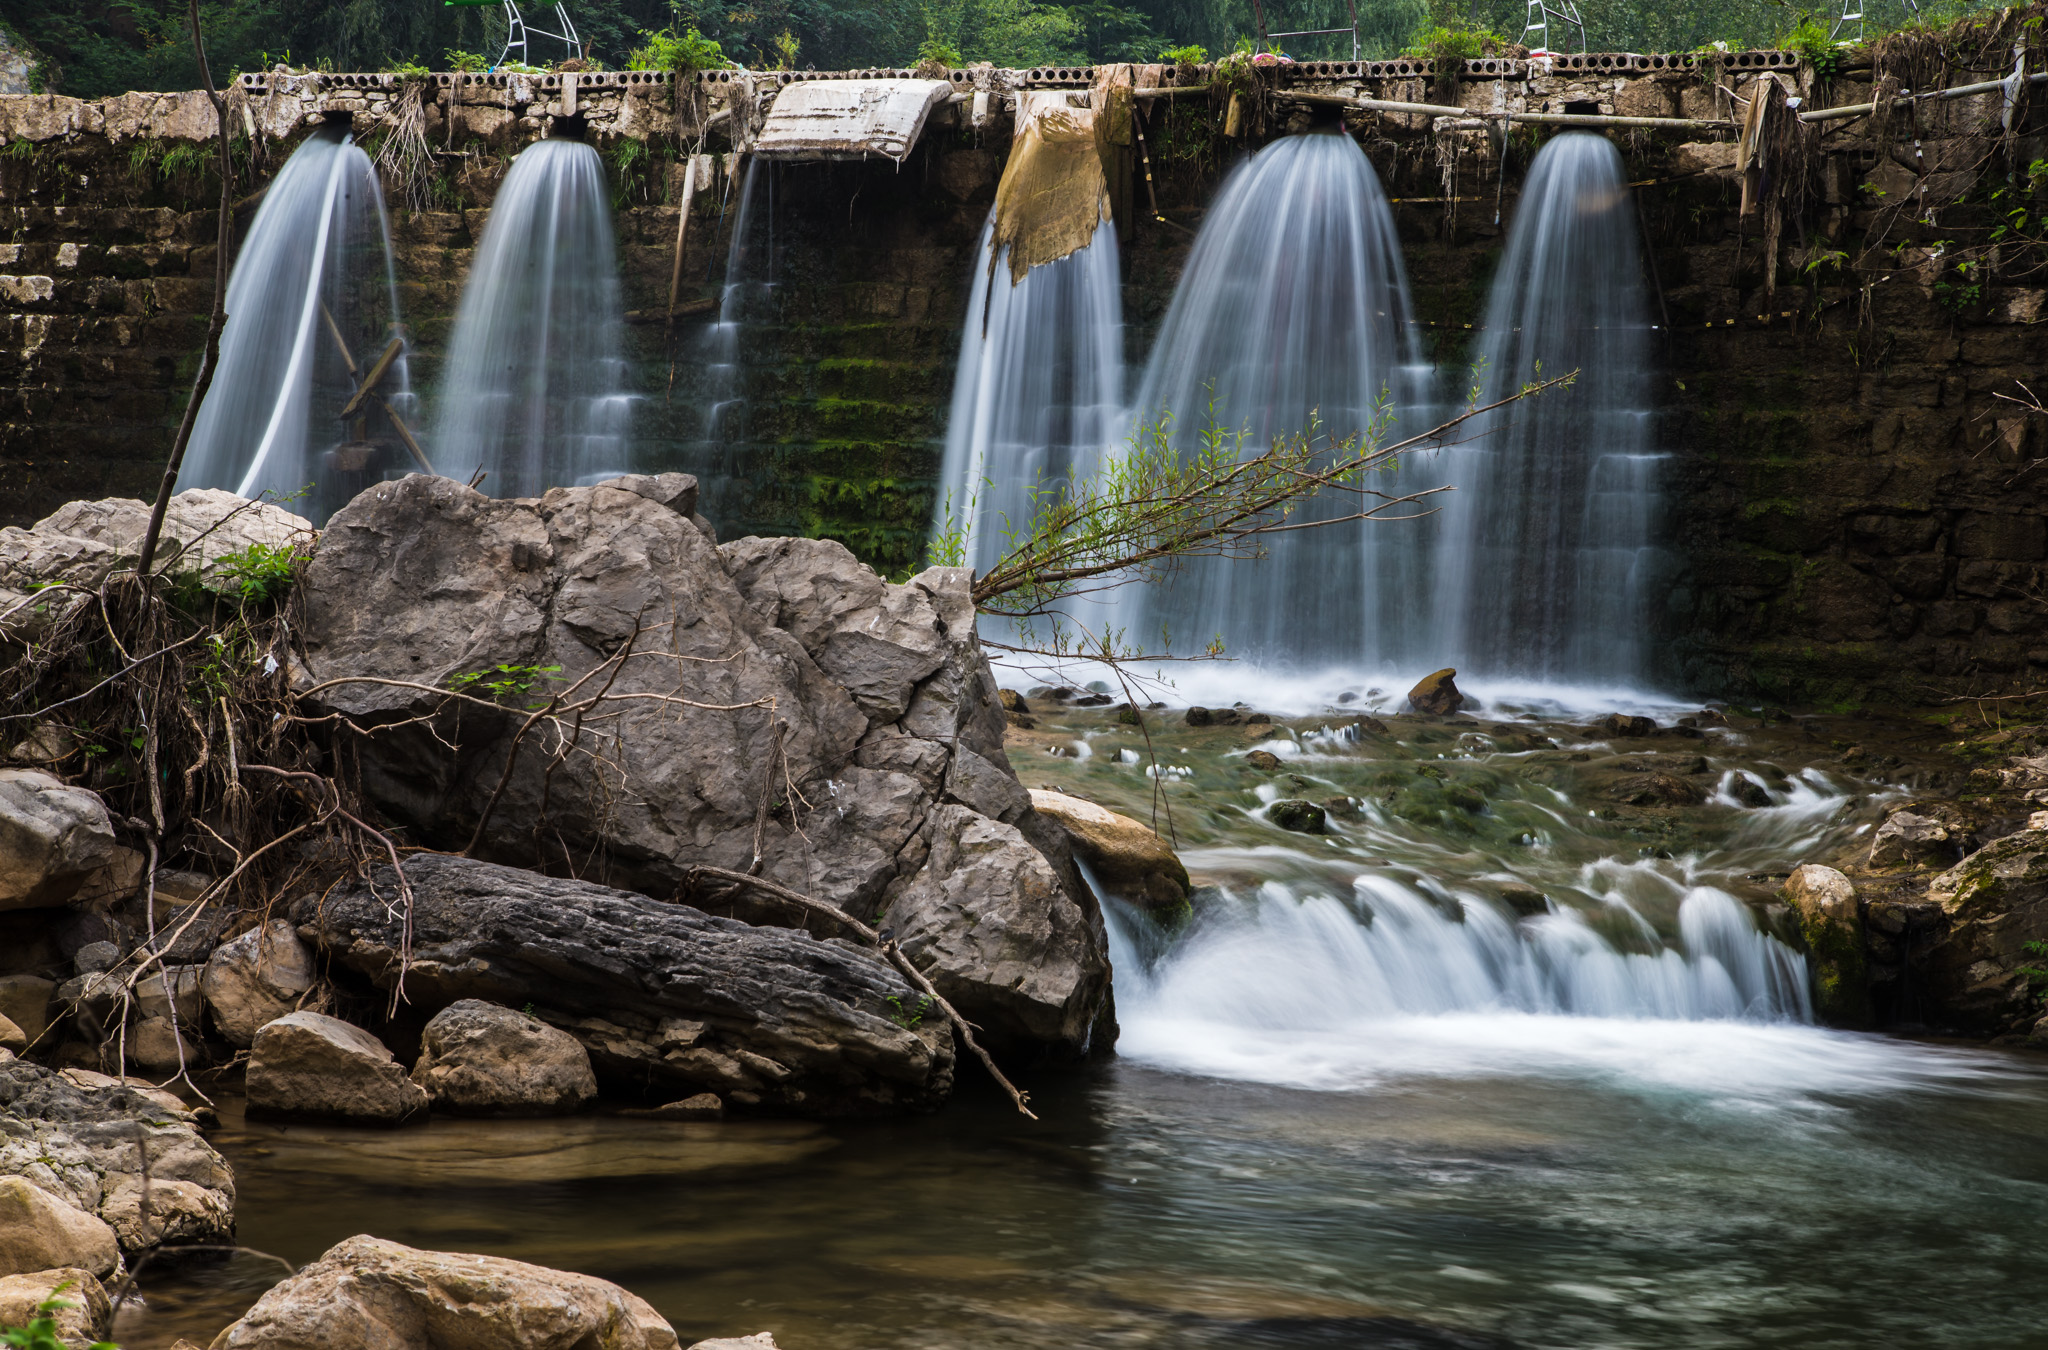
(312, 291)
(1294, 304)
(1039, 389)
(1294, 985)
(1546, 552)
(534, 393)
(730, 492)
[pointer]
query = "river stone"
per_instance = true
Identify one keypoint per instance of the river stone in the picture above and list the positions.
(306, 1064)
(1127, 856)
(256, 978)
(38, 1231)
(12, 1038)
(478, 1058)
(1291, 813)
(989, 921)
(1263, 760)
(1922, 834)
(53, 837)
(880, 694)
(369, 1294)
(663, 996)
(1996, 901)
(1657, 789)
(760, 1340)
(1832, 924)
(1436, 694)
(83, 1137)
(87, 1312)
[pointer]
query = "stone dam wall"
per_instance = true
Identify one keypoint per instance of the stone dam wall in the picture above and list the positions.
(1855, 505)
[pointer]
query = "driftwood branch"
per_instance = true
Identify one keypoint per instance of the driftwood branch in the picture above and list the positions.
(223, 245)
(887, 947)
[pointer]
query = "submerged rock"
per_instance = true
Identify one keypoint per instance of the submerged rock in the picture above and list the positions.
(1832, 924)
(1126, 855)
(1299, 816)
(1436, 694)
(53, 837)
(1265, 761)
(1657, 789)
(663, 996)
(83, 1138)
(369, 1294)
(312, 1066)
(478, 1058)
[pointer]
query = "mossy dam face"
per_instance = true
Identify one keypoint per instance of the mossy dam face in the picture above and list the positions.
(1842, 313)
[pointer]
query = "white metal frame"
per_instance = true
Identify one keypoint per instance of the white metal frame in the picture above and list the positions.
(517, 30)
(1566, 12)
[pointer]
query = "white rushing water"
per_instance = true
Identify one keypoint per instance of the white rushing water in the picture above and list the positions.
(535, 389)
(1545, 555)
(1038, 396)
(312, 290)
(1293, 310)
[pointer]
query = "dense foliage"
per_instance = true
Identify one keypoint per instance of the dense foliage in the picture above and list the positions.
(95, 47)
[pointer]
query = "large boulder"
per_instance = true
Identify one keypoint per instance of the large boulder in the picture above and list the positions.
(256, 978)
(369, 1294)
(83, 1312)
(665, 997)
(1996, 901)
(84, 1138)
(988, 921)
(1126, 855)
(309, 1065)
(773, 705)
(53, 837)
(1832, 924)
(478, 1058)
(39, 1230)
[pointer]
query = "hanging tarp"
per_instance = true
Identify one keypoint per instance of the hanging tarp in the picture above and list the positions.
(1053, 192)
(849, 119)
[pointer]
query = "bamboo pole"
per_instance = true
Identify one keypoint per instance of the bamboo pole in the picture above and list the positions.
(1960, 91)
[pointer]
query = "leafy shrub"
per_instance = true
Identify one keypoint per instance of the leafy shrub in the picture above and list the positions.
(409, 68)
(1454, 42)
(1185, 56)
(1810, 40)
(461, 60)
(662, 49)
(258, 573)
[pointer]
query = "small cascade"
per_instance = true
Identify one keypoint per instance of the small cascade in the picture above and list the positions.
(1293, 305)
(1546, 553)
(312, 301)
(535, 391)
(1332, 991)
(1039, 389)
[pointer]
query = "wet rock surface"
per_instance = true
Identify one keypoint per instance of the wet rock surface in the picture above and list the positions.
(662, 996)
(1126, 855)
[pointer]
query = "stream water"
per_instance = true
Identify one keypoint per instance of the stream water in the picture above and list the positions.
(1357, 1100)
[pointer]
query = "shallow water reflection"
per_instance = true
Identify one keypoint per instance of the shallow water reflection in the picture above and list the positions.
(1156, 1209)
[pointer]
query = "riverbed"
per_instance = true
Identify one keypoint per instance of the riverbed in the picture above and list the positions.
(1361, 1098)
